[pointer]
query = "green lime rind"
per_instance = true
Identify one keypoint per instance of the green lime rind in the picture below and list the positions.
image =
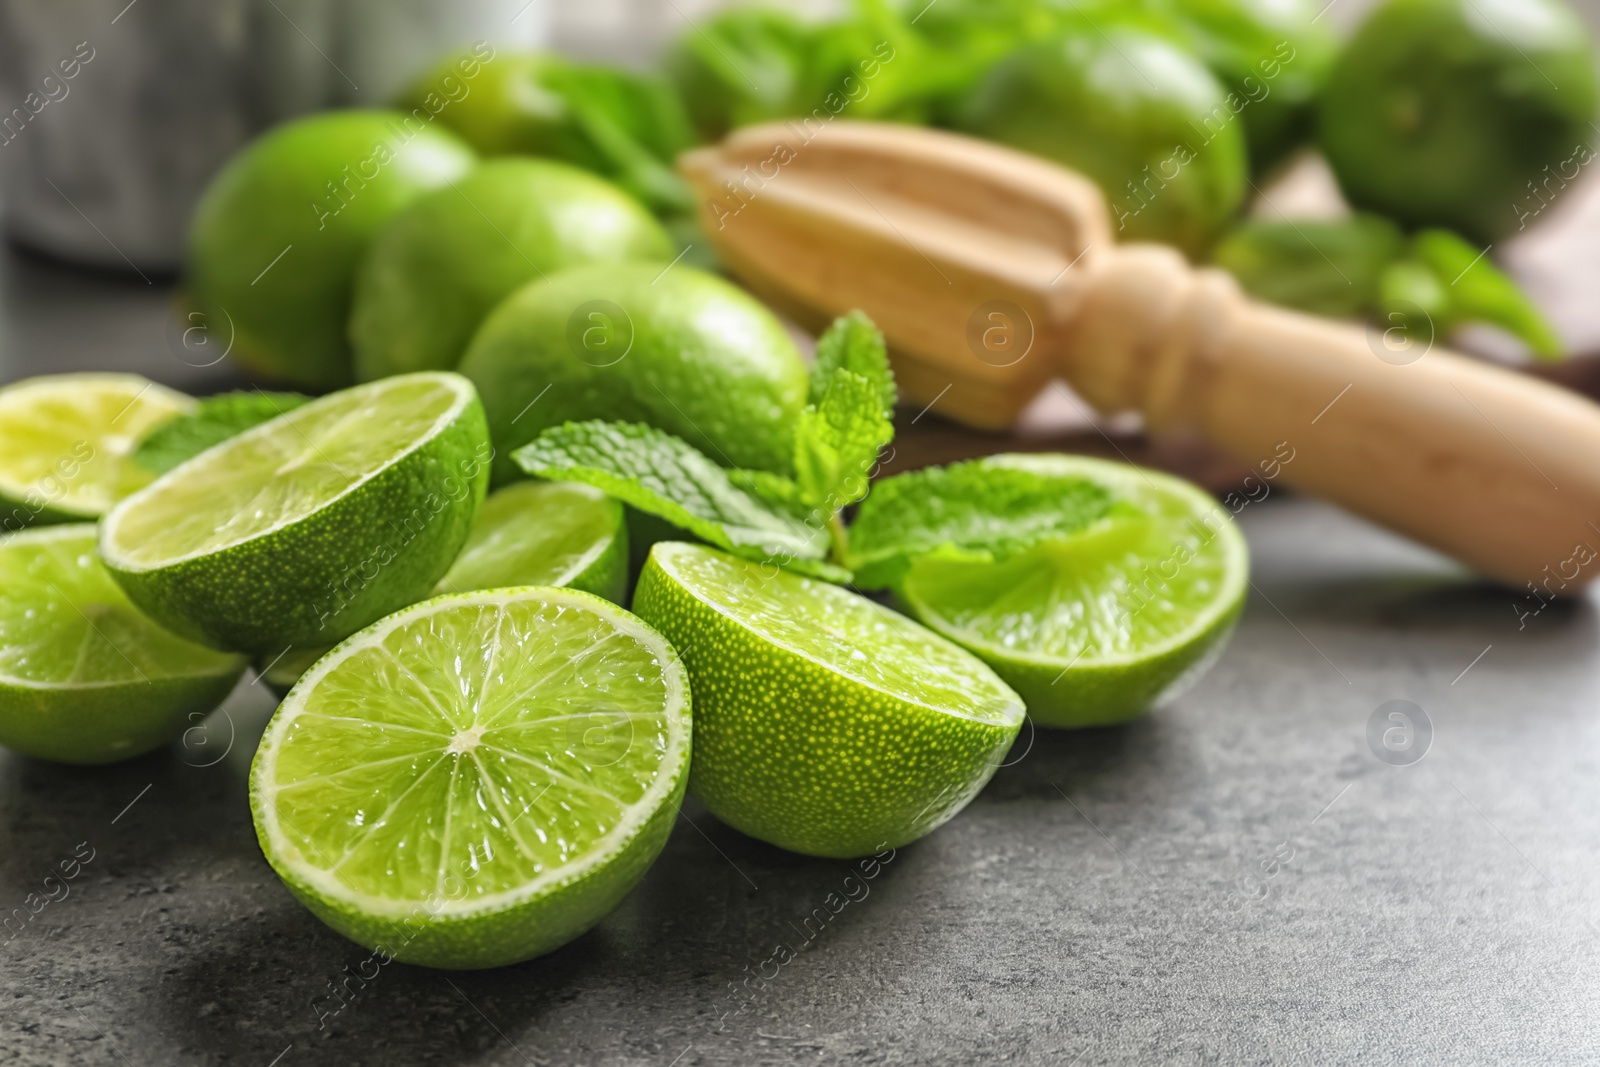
(453, 803)
(84, 677)
(557, 534)
(66, 442)
(824, 723)
(275, 241)
(306, 528)
(1087, 628)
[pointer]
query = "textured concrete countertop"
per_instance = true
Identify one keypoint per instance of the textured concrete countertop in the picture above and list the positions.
(1235, 879)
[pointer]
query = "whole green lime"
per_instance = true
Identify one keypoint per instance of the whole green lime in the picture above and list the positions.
(1273, 57)
(444, 262)
(1465, 114)
(1133, 111)
(674, 347)
(621, 124)
(277, 237)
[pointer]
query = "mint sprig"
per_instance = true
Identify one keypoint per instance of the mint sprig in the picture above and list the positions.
(977, 510)
(974, 510)
(656, 472)
(847, 423)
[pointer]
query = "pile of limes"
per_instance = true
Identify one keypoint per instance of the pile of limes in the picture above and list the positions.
(480, 751)
(495, 701)
(362, 243)
(495, 690)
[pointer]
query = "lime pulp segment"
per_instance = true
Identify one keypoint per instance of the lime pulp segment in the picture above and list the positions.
(84, 677)
(281, 471)
(65, 443)
(478, 778)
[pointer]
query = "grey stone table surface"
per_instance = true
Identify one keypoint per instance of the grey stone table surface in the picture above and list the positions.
(1234, 879)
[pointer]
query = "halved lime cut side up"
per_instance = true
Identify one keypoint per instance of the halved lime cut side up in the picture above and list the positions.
(477, 779)
(84, 677)
(1101, 627)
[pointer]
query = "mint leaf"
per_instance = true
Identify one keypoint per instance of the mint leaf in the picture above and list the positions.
(213, 421)
(773, 490)
(972, 510)
(847, 423)
(855, 344)
(837, 442)
(666, 476)
(1478, 291)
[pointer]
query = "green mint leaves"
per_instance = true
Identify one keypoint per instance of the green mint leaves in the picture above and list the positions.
(977, 510)
(973, 510)
(846, 424)
(666, 476)
(213, 421)
(756, 514)
(854, 344)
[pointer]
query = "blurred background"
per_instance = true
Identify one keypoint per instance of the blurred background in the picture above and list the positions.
(100, 172)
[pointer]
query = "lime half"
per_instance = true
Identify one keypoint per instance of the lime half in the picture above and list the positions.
(545, 533)
(825, 722)
(306, 528)
(531, 533)
(1102, 626)
(85, 678)
(65, 443)
(478, 779)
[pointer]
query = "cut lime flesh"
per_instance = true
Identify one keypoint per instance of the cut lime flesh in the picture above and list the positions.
(306, 528)
(84, 677)
(282, 471)
(544, 533)
(825, 722)
(842, 632)
(479, 778)
(1102, 626)
(66, 439)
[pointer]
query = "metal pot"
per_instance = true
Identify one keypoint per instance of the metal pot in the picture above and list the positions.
(112, 120)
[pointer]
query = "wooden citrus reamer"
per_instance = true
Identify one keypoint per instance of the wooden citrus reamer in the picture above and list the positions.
(993, 273)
